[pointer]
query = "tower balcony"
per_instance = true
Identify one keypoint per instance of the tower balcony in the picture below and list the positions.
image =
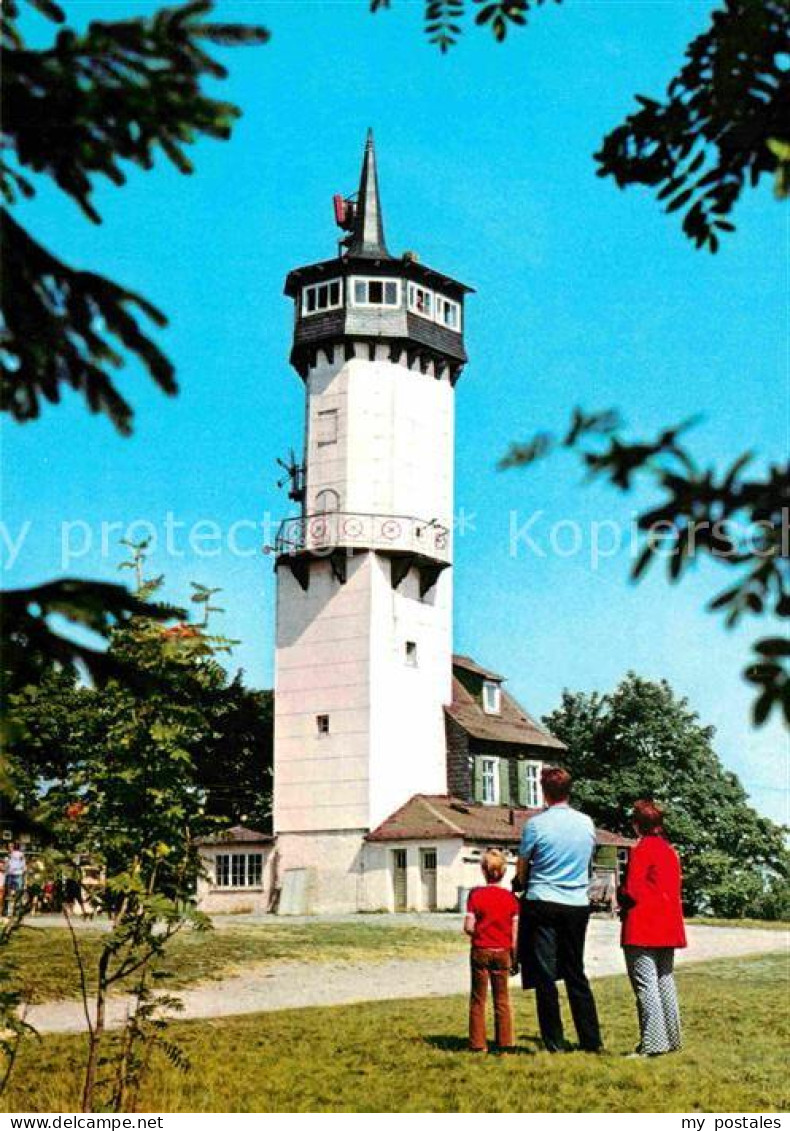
(408, 542)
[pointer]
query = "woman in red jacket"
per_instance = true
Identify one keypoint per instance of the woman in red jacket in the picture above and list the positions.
(652, 929)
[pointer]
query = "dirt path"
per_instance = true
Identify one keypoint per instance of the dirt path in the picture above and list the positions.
(296, 985)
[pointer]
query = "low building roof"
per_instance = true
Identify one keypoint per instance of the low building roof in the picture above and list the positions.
(238, 834)
(512, 724)
(440, 817)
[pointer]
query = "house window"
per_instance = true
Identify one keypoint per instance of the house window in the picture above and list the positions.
(448, 313)
(530, 792)
(489, 780)
(411, 653)
(239, 870)
(492, 697)
(322, 296)
(376, 292)
(421, 301)
(322, 724)
(326, 427)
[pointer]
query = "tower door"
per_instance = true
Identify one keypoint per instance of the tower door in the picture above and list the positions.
(428, 878)
(399, 878)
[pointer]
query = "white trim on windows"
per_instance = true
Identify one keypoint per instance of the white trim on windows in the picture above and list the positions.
(533, 792)
(238, 870)
(375, 291)
(492, 697)
(421, 301)
(489, 781)
(319, 297)
(448, 313)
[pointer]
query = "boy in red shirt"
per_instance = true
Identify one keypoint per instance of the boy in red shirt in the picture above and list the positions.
(492, 923)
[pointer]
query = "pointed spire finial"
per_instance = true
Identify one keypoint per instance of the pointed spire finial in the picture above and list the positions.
(367, 237)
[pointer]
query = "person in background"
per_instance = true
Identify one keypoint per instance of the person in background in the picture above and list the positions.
(492, 923)
(652, 914)
(554, 866)
(15, 869)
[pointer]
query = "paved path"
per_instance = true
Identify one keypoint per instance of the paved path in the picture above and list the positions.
(296, 985)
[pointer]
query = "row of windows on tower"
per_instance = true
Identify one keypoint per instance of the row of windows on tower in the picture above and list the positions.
(388, 293)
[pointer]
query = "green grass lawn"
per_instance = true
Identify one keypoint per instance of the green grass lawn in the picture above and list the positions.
(410, 1056)
(752, 924)
(46, 966)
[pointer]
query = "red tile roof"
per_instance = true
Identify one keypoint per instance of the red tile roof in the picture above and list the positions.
(439, 817)
(471, 665)
(239, 834)
(512, 725)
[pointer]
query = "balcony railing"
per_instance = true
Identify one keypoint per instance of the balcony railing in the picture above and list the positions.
(321, 534)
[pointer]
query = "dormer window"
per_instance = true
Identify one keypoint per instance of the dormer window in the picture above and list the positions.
(376, 292)
(492, 697)
(322, 296)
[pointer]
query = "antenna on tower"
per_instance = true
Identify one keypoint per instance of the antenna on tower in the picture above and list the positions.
(294, 477)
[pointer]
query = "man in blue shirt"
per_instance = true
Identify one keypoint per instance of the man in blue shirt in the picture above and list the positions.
(554, 866)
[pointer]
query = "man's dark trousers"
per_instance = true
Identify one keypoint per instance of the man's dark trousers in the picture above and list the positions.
(556, 935)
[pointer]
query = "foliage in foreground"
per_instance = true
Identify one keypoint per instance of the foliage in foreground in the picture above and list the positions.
(110, 773)
(409, 1056)
(642, 741)
(724, 121)
(739, 521)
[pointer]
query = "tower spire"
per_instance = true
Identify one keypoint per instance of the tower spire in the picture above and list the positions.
(367, 237)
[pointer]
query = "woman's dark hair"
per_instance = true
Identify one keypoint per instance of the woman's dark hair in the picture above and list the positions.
(648, 817)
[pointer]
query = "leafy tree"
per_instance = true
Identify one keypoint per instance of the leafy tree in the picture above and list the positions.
(723, 123)
(642, 741)
(118, 773)
(737, 520)
(118, 93)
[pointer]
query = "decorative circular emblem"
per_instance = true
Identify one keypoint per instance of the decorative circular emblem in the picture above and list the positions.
(352, 527)
(318, 528)
(390, 529)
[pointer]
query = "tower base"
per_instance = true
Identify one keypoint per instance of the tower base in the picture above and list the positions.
(321, 873)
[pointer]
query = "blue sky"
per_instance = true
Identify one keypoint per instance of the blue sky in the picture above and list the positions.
(585, 295)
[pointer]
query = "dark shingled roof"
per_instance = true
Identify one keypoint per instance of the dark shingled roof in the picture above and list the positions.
(239, 834)
(437, 817)
(512, 725)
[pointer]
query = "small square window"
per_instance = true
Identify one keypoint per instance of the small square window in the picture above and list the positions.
(391, 294)
(322, 724)
(375, 291)
(360, 291)
(411, 653)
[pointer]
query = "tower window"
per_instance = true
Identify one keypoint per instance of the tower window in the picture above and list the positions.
(322, 724)
(421, 301)
(411, 653)
(448, 313)
(492, 697)
(326, 427)
(376, 292)
(322, 296)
